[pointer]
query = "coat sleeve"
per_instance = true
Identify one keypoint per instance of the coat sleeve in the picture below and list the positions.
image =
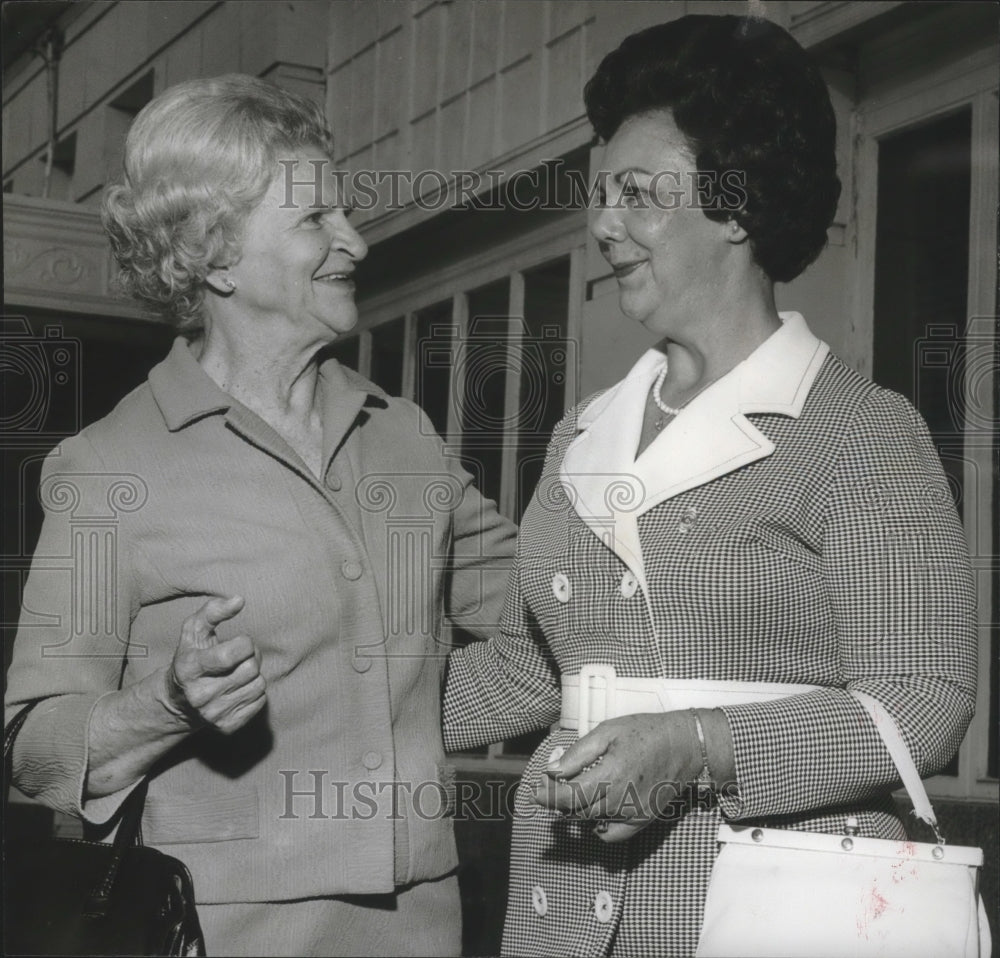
(483, 543)
(900, 591)
(72, 637)
(503, 687)
(509, 685)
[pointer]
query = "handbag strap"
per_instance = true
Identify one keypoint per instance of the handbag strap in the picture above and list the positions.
(887, 728)
(128, 834)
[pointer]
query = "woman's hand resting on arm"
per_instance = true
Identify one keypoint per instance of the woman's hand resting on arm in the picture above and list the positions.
(633, 768)
(210, 682)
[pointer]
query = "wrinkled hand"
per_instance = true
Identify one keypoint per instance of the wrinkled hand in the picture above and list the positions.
(213, 681)
(625, 772)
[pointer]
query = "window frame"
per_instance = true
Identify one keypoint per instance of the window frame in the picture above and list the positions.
(511, 261)
(971, 83)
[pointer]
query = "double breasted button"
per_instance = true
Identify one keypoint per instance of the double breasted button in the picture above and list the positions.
(539, 901)
(629, 585)
(351, 570)
(561, 587)
(371, 760)
(604, 906)
(333, 482)
(361, 663)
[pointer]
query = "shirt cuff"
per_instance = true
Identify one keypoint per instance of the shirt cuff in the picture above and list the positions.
(51, 755)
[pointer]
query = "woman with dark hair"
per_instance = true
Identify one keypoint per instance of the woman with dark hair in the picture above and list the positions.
(241, 627)
(725, 544)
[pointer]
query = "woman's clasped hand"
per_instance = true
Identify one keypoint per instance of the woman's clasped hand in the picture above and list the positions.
(625, 773)
(214, 681)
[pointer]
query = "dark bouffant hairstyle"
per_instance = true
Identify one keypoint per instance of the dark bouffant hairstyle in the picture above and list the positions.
(749, 99)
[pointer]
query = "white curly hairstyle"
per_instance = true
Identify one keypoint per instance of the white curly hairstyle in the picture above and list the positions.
(198, 159)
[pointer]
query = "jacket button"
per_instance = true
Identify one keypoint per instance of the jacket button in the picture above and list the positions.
(603, 907)
(351, 570)
(629, 585)
(371, 760)
(539, 901)
(333, 482)
(361, 663)
(561, 588)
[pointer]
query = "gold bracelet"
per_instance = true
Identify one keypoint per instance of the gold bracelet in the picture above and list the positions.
(705, 778)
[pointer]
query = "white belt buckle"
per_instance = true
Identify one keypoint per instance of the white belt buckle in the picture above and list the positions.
(603, 676)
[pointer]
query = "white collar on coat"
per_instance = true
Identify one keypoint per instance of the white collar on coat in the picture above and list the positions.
(610, 488)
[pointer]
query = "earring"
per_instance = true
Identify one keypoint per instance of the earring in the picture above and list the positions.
(230, 285)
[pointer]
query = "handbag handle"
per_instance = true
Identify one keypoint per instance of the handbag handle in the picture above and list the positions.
(887, 728)
(128, 834)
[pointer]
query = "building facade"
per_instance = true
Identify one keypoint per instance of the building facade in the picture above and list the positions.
(460, 128)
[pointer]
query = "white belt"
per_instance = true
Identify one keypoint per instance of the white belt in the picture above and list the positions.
(599, 693)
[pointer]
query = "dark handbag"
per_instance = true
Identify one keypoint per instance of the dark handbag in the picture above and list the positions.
(75, 897)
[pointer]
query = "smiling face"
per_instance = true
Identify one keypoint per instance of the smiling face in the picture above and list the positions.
(299, 253)
(668, 257)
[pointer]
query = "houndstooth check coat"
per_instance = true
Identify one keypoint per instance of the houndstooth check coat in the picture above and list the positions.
(793, 524)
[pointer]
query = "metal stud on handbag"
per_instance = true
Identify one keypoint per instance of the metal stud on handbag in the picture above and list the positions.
(779, 893)
(72, 897)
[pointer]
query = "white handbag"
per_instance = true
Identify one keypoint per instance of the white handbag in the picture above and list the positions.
(778, 893)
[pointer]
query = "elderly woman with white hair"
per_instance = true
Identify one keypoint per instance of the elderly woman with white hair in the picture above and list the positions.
(237, 647)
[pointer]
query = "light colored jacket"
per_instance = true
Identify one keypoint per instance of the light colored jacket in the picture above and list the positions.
(182, 493)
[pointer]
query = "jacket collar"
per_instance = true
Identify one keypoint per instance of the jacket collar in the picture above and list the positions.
(610, 488)
(185, 393)
(775, 377)
(183, 390)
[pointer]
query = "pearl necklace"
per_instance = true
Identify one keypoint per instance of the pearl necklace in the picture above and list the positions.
(663, 407)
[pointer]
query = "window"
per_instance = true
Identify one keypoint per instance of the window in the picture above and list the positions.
(119, 113)
(490, 357)
(432, 359)
(63, 164)
(346, 352)
(927, 278)
(489, 365)
(386, 363)
(921, 280)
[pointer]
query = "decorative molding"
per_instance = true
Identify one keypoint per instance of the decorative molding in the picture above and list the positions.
(28, 262)
(827, 19)
(57, 257)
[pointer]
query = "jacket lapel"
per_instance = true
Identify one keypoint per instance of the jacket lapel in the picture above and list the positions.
(599, 472)
(711, 437)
